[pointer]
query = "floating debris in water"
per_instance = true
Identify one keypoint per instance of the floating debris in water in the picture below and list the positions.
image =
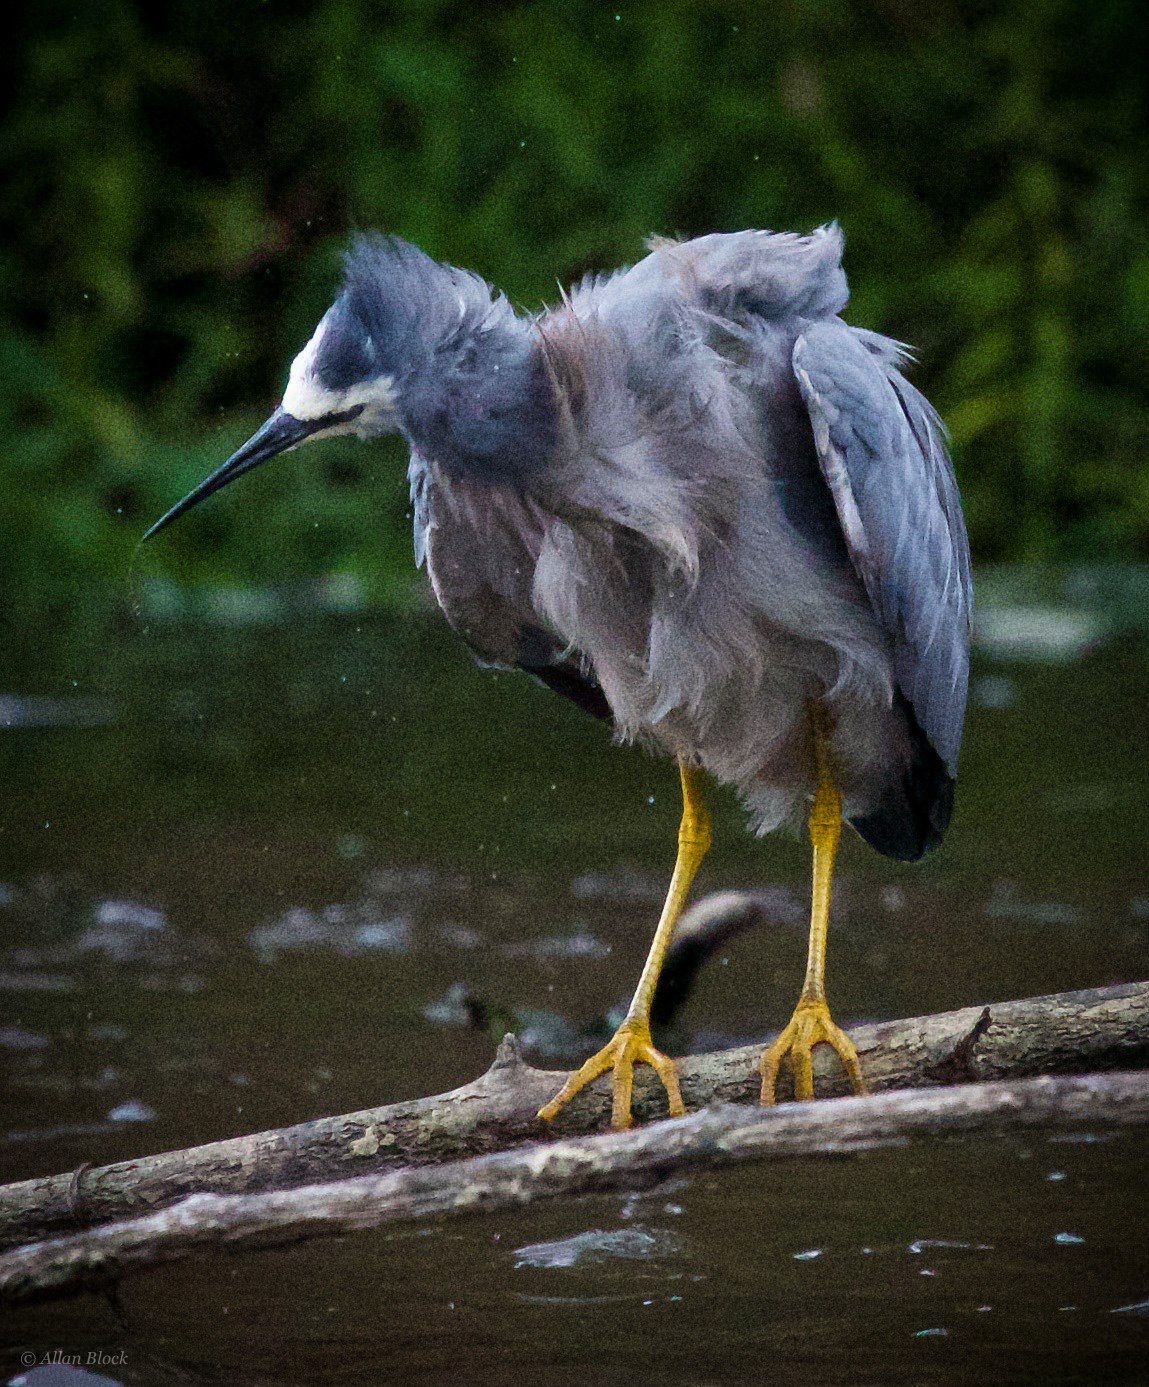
(384, 934)
(129, 915)
(808, 1255)
(931, 1333)
(639, 1200)
(132, 1110)
(579, 944)
(349, 930)
(1139, 1307)
(59, 928)
(1067, 1239)
(296, 928)
(635, 1243)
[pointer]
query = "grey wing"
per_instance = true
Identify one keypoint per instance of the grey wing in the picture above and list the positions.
(882, 450)
(476, 545)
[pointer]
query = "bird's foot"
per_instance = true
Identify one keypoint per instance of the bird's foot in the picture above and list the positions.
(809, 1026)
(630, 1045)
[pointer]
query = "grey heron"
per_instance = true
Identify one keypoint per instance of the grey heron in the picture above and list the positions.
(696, 502)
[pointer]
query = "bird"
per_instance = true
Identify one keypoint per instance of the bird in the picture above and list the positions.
(692, 499)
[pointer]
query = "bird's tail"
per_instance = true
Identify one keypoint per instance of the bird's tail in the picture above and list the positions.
(914, 813)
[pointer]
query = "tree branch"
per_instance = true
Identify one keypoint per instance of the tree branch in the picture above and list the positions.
(1073, 1032)
(639, 1158)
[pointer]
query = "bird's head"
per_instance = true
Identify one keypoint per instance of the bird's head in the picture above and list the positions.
(414, 346)
(338, 384)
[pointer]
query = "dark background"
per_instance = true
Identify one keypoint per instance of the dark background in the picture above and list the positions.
(257, 828)
(180, 181)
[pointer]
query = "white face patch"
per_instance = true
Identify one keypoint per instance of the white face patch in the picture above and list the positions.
(304, 397)
(307, 399)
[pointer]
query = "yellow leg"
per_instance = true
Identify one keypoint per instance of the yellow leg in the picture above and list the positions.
(811, 1023)
(631, 1043)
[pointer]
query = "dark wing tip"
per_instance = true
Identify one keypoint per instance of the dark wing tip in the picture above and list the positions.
(913, 814)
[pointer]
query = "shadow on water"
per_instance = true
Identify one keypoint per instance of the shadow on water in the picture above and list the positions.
(249, 869)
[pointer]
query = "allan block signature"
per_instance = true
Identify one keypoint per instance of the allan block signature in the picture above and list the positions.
(58, 1357)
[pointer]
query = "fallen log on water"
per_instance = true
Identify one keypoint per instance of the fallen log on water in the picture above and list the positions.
(640, 1158)
(487, 1149)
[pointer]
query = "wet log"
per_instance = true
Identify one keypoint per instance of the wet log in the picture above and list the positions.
(640, 1158)
(1075, 1032)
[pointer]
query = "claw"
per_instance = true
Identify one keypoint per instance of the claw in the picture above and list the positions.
(810, 1025)
(630, 1045)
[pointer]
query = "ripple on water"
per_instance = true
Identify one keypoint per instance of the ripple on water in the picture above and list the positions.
(1139, 1307)
(597, 1245)
(920, 1245)
(19, 1039)
(579, 943)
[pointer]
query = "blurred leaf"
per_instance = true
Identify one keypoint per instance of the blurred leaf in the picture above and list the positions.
(180, 184)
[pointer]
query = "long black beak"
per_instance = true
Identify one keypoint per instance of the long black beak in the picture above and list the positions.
(281, 431)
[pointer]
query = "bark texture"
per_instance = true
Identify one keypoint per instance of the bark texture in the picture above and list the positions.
(1073, 1032)
(715, 1137)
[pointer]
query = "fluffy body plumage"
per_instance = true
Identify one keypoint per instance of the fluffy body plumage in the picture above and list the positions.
(733, 505)
(690, 498)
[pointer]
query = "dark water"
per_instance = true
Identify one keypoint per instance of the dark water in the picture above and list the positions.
(243, 863)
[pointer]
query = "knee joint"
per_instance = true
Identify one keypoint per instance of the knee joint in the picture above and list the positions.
(694, 832)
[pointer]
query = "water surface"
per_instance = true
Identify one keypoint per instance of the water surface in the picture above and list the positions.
(247, 867)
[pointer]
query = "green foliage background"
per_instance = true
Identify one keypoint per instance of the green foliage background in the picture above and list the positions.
(180, 179)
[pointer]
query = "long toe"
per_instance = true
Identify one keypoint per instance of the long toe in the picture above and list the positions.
(843, 1047)
(630, 1045)
(810, 1025)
